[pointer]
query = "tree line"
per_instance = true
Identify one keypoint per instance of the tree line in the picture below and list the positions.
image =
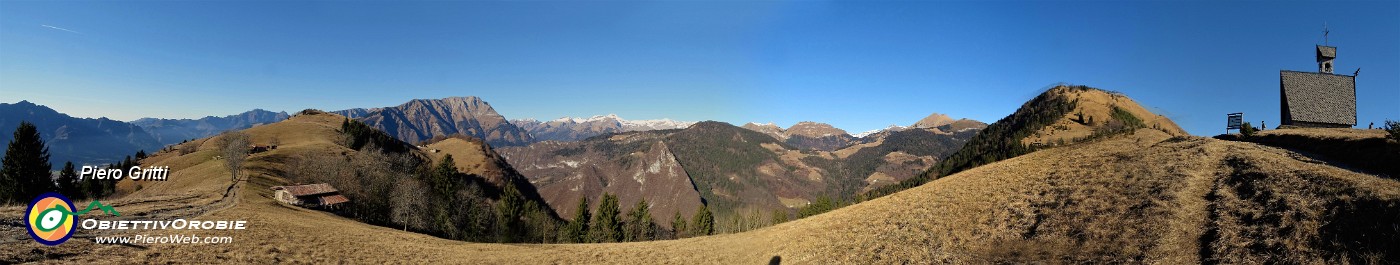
(389, 186)
(607, 224)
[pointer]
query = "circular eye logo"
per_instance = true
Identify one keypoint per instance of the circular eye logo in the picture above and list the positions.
(50, 219)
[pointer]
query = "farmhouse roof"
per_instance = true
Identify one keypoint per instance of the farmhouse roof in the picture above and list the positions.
(309, 189)
(334, 199)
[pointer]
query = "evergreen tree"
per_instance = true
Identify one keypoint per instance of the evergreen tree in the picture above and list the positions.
(141, 154)
(821, 205)
(678, 226)
(92, 188)
(109, 186)
(508, 212)
(25, 172)
(704, 222)
(606, 227)
(639, 225)
(440, 178)
(779, 216)
(577, 230)
(68, 182)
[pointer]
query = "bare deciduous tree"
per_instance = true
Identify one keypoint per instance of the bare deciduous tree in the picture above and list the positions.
(234, 147)
(409, 204)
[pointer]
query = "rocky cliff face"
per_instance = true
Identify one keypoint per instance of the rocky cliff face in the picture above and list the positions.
(633, 166)
(422, 119)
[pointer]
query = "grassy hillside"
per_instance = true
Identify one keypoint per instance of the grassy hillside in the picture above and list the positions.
(1059, 116)
(1365, 150)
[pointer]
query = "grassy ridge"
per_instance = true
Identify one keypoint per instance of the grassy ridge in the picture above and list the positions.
(999, 141)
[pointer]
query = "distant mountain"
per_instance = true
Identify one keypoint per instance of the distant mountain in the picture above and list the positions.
(171, 131)
(936, 121)
(423, 119)
(80, 140)
(767, 128)
(892, 127)
(356, 112)
(736, 171)
(933, 120)
(817, 136)
(806, 135)
(574, 129)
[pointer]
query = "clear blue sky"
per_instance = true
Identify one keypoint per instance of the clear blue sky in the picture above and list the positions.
(856, 65)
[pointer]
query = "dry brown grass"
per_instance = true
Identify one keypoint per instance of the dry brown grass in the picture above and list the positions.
(1097, 105)
(471, 157)
(1328, 133)
(1362, 150)
(1142, 198)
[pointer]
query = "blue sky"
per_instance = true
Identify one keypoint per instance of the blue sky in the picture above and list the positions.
(857, 65)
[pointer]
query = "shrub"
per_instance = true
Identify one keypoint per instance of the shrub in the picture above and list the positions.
(1247, 130)
(1393, 127)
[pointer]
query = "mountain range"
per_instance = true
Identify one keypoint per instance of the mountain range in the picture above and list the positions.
(740, 173)
(574, 129)
(171, 131)
(1076, 175)
(79, 140)
(421, 119)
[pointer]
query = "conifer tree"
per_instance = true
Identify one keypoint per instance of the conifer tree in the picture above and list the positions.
(577, 230)
(68, 181)
(704, 222)
(440, 178)
(639, 225)
(678, 224)
(605, 226)
(508, 212)
(25, 172)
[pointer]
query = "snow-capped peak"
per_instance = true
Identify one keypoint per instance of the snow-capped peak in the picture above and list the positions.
(660, 124)
(892, 127)
(631, 125)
